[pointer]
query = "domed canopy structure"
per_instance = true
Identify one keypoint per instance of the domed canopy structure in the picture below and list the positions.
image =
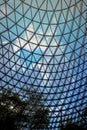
(43, 45)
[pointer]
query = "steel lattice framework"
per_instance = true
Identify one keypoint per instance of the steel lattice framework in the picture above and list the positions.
(43, 43)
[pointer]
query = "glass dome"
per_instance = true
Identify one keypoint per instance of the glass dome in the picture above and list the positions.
(43, 44)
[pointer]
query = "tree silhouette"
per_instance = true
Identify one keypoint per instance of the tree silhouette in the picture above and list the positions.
(70, 125)
(85, 112)
(17, 112)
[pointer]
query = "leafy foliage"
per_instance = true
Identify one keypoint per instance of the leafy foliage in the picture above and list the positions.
(85, 112)
(70, 125)
(17, 113)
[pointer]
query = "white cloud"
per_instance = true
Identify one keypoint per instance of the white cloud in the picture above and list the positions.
(33, 40)
(5, 42)
(16, 49)
(30, 43)
(4, 11)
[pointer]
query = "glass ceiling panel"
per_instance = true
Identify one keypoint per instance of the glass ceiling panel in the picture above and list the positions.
(43, 44)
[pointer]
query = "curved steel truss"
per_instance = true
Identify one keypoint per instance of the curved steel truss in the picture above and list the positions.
(43, 44)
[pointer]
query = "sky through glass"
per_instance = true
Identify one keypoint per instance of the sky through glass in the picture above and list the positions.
(44, 44)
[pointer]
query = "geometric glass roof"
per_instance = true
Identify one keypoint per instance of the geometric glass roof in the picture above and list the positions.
(44, 44)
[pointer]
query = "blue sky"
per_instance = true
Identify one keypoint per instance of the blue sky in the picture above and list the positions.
(42, 44)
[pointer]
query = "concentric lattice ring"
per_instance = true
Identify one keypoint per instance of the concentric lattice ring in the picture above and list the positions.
(44, 44)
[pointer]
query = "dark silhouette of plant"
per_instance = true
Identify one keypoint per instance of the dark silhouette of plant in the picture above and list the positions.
(70, 125)
(17, 112)
(40, 119)
(85, 112)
